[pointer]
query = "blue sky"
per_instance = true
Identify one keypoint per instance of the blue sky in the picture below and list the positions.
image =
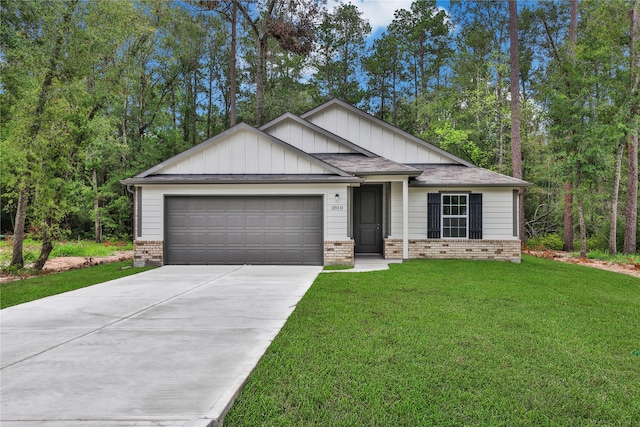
(379, 13)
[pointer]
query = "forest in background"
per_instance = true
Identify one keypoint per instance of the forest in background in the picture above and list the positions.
(95, 91)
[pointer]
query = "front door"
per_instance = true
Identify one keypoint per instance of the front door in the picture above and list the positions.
(367, 221)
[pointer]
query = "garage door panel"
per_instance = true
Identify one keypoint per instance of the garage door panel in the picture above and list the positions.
(232, 238)
(274, 205)
(235, 220)
(216, 220)
(254, 239)
(243, 230)
(274, 238)
(255, 220)
(312, 239)
(293, 221)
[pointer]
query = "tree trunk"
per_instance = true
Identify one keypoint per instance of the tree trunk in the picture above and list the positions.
(18, 232)
(262, 53)
(45, 250)
(613, 225)
(34, 129)
(96, 208)
(583, 228)
(232, 67)
(568, 217)
(516, 153)
(568, 187)
(631, 207)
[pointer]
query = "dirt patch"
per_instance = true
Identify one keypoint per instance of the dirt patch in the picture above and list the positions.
(56, 265)
(630, 269)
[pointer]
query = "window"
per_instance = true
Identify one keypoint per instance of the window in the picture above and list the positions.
(454, 216)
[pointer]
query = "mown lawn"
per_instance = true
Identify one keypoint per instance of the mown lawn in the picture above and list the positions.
(453, 343)
(18, 292)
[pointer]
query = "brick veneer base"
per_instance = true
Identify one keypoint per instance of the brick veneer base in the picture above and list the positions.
(501, 250)
(147, 253)
(338, 252)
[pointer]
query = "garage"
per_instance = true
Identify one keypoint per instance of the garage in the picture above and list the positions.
(243, 230)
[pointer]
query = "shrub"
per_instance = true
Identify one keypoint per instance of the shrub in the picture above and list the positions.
(549, 241)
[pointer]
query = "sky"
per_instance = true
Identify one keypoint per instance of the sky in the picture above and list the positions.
(379, 13)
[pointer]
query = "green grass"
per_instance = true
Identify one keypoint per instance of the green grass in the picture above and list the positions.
(18, 292)
(81, 248)
(606, 256)
(452, 343)
(338, 267)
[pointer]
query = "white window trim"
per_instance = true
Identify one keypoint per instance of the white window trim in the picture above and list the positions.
(442, 216)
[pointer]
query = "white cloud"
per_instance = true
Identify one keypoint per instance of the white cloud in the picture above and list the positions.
(379, 13)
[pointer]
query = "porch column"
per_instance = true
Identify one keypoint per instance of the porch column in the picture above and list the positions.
(405, 219)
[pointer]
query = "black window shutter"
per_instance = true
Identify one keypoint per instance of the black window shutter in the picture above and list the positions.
(475, 216)
(433, 216)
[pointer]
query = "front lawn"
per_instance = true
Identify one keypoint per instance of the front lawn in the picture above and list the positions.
(20, 291)
(454, 343)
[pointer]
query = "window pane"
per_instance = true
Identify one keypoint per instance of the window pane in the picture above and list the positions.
(454, 210)
(446, 200)
(454, 200)
(446, 210)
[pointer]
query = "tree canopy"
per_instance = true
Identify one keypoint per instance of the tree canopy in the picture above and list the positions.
(95, 91)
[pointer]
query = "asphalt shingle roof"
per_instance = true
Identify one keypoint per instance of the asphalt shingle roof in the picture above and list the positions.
(449, 175)
(359, 164)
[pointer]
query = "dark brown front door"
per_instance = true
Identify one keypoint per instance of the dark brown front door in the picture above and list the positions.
(367, 221)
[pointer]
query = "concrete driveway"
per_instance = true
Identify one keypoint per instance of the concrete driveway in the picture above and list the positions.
(167, 347)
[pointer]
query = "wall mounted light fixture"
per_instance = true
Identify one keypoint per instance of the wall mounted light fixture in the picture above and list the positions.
(337, 197)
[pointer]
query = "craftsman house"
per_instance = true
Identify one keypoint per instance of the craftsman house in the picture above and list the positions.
(321, 188)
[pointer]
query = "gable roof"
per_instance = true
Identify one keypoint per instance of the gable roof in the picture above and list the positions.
(336, 103)
(163, 167)
(315, 128)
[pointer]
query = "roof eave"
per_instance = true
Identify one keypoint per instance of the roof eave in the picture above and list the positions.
(466, 185)
(160, 181)
(378, 173)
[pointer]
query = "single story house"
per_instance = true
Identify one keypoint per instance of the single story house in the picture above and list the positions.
(321, 188)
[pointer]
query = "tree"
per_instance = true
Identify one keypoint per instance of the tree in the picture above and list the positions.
(516, 156)
(631, 208)
(568, 186)
(290, 22)
(385, 71)
(342, 42)
(26, 136)
(423, 33)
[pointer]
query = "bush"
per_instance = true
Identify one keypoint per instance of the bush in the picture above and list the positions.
(550, 241)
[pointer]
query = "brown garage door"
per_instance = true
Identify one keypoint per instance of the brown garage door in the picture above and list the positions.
(243, 230)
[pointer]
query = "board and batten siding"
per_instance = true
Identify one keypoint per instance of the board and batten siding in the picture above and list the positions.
(244, 153)
(335, 215)
(375, 137)
(306, 139)
(497, 212)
